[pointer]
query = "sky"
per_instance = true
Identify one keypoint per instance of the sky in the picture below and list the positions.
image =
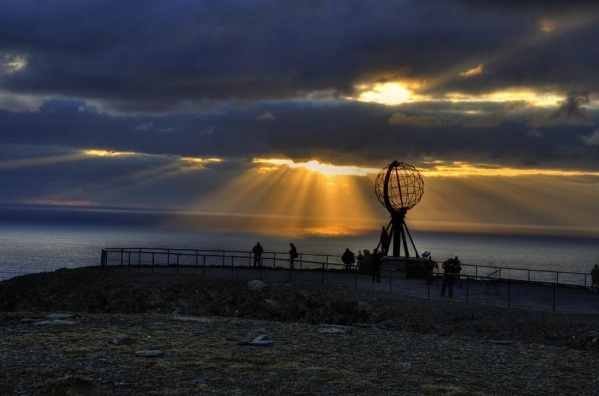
(289, 109)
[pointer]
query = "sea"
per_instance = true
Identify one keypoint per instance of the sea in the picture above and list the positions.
(35, 238)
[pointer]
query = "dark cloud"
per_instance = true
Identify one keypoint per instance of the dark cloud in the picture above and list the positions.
(251, 79)
(166, 57)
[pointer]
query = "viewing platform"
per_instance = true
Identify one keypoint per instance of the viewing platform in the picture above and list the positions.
(511, 287)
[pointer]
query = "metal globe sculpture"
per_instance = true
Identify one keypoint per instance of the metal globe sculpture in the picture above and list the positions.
(398, 187)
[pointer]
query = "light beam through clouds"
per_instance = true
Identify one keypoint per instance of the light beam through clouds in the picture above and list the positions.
(495, 103)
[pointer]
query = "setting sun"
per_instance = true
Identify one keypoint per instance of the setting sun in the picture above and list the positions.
(387, 93)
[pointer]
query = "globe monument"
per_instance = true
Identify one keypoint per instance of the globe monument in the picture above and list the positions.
(399, 187)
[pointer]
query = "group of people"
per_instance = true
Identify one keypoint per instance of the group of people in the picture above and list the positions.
(257, 251)
(451, 271)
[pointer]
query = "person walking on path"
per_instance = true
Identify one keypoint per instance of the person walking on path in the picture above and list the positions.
(450, 269)
(292, 255)
(376, 258)
(257, 250)
(595, 280)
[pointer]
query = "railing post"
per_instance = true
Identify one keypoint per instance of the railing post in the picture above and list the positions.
(509, 294)
(554, 287)
(467, 288)
(177, 264)
(204, 265)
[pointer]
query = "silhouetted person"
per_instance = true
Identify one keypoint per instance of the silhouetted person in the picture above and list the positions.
(595, 280)
(292, 255)
(458, 270)
(450, 269)
(430, 270)
(384, 241)
(257, 250)
(376, 258)
(348, 258)
(360, 259)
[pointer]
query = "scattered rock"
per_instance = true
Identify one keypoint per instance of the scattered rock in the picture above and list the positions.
(150, 353)
(198, 319)
(54, 322)
(334, 329)
(256, 285)
(260, 340)
(122, 341)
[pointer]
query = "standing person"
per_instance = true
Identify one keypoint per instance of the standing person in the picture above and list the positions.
(449, 269)
(292, 255)
(384, 241)
(430, 270)
(595, 280)
(348, 258)
(360, 259)
(376, 258)
(257, 250)
(458, 270)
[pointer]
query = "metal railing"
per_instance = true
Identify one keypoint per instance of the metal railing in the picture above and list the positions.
(511, 287)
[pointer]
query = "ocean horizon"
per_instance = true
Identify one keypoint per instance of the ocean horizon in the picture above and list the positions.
(40, 239)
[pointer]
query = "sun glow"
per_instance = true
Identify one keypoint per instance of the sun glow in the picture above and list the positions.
(459, 169)
(387, 93)
(318, 199)
(530, 97)
(315, 166)
(107, 153)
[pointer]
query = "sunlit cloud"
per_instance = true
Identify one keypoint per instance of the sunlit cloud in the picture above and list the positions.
(475, 71)
(383, 93)
(39, 161)
(529, 96)
(266, 116)
(592, 139)
(465, 169)
(315, 166)
(108, 153)
(546, 25)
(198, 163)
(12, 63)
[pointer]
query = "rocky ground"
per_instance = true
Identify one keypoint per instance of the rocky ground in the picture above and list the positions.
(101, 332)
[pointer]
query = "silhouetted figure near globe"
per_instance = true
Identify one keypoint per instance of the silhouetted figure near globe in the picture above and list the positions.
(398, 187)
(384, 241)
(376, 265)
(292, 255)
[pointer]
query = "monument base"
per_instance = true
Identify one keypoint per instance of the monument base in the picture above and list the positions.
(413, 267)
